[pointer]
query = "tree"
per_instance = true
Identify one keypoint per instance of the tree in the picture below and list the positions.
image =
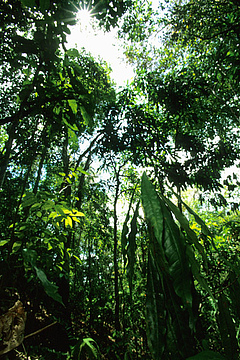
(51, 101)
(117, 259)
(191, 87)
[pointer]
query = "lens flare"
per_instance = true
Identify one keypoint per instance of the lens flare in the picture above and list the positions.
(84, 19)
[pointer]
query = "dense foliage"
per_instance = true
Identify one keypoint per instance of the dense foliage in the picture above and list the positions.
(121, 263)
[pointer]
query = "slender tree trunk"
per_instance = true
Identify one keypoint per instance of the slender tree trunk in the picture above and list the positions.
(115, 256)
(179, 194)
(90, 281)
(45, 143)
(65, 160)
(4, 159)
(80, 191)
(64, 286)
(78, 206)
(44, 152)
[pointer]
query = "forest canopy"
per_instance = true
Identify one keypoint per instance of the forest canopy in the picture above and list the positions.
(120, 207)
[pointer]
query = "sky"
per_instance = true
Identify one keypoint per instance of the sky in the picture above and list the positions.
(105, 45)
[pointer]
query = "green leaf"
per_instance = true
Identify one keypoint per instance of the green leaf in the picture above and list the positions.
(86, 348)
(155, 311)
(78, 258)
(4, 242)
(82, 171)
(60, 209)
(201, 222)
(207, 355)
(73, 105)
(28, 200)
(86, 117)
(30, 256)
(152, 210)
(72, 127)
(49, 204)
(76, 213)
(72, 53)
(132, 248)
(172, 247)
(185, 225)
(196, 272)
(16, 246)
(36, 205)
(68, 221)
(50, 288)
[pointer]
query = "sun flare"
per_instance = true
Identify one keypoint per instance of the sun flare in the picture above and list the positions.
(84, 19)
(87, 35)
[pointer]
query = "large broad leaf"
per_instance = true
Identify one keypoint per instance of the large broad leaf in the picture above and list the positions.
(154, 217)
(50, 288)
(168, 250)
(185, 225)
(155, 311)
(86, 117)
(172, 246)
(180, 322)
(175, 250)
(205, 230)
(196, 272)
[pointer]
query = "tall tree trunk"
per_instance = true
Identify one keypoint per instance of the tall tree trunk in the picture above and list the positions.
(115, 255)
(78, 206)
(80, 191)
(45, 144)
(64, 286)
(40, 166)
(90, 297)
(4, 159)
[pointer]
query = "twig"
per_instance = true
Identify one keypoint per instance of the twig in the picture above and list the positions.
(40, 330)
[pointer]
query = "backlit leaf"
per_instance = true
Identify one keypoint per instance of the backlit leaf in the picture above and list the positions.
(4, 242)
(73, 105)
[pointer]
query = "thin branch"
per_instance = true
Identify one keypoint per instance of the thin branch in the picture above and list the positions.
(40, 330)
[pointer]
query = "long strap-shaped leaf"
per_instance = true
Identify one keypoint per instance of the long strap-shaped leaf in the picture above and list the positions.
(171, 245)
(185, 225)
(155, 311)
(132, 248)
(125, 230)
